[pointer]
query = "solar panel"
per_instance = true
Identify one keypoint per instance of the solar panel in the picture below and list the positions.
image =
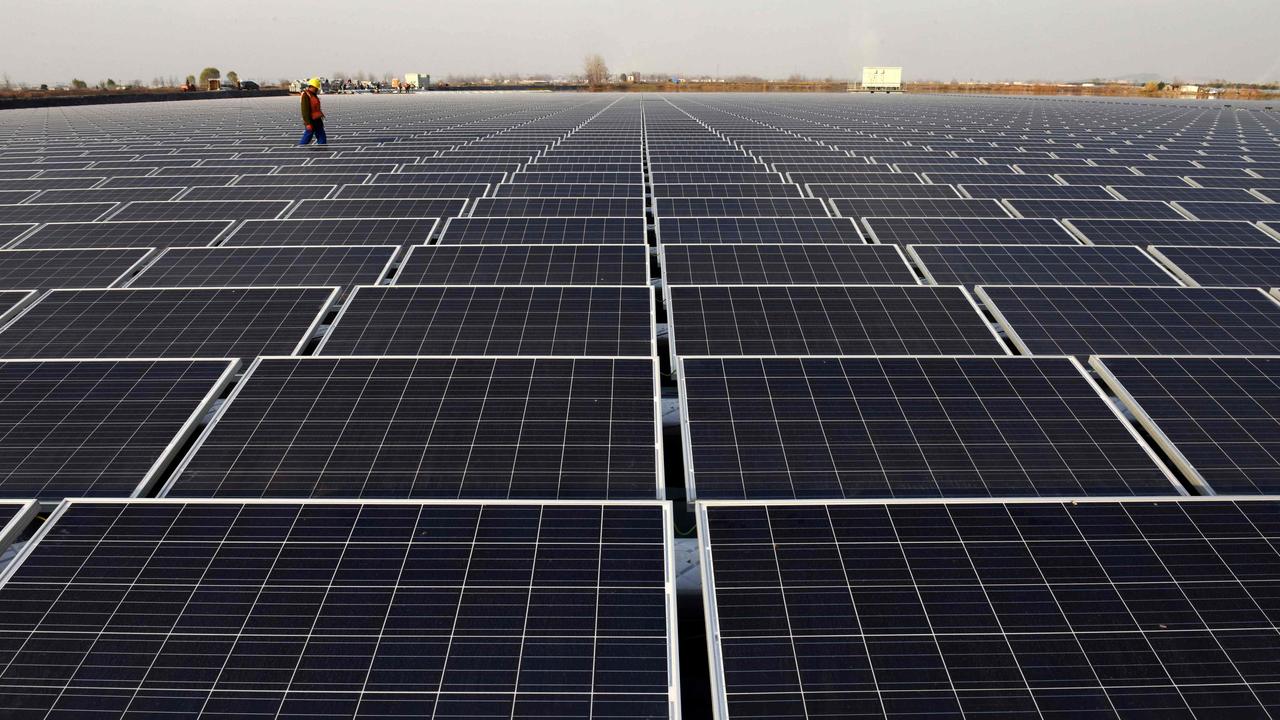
(669, 207)
(548, 428)
(593, 178)
(967, 231)
(671, 231)
(1215, 418)
(880, 190)
(768, 264)
(333, 178)
(376, 208)
(50, 183)
(98, 428)
(112, 195)
(1043, 192)
(412, 190)
(202, 210)
(1086, 609)
(459, 178)
(1248, 211)
(1170, 232)
(9, 231)
(1270, 194)
(525, 265)
(94, 267)
(11, 301)
(738, 178)
(726, 190)
(494, 321)
(1038, 265)
(349, 609)
(1136, 321)
(124, 234)
(554, 231)
(917, 207)
(980, 178)
(1110, 209)
(906, 427)
(827, 320)
(169, 322)
(14, 197)
(259, 192)
(258, 266)
(570, 190)
(1184, 194)
(1222, 265)
(54, 212)
(364, 231)
(168, 181)
(559, 207)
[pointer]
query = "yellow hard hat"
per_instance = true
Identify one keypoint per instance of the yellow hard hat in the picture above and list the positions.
(314, 82)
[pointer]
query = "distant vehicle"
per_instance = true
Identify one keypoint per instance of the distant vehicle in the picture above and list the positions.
(249, 85)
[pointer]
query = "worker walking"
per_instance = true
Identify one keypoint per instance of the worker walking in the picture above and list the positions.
(312, 118)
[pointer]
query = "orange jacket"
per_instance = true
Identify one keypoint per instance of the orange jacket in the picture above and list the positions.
(310, 107)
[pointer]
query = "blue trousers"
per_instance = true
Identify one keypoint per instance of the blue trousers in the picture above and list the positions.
(316, 131)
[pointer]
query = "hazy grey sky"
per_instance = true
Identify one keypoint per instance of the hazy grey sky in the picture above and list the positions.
(54, 40)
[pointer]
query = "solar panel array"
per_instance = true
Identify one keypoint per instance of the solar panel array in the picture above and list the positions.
(382, 429)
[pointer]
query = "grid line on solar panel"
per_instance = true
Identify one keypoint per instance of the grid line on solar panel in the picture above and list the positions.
(1104, 209)
(270, 266)
(101, 428)
(892, 427)
(495, 320)
(775, 264)
(333, 231)
(371, 208)
(917, 207)
(1081, 320)
(1169, 232)
(1219, 266)
(1020, 608)
(1038, 265)
(415, 427)
(967, 231)
(737, 320)
(525, 265)
(1215, 417)
(353, 609)
(543, 230)
(754, 230)
(73, 268)
(165, 322)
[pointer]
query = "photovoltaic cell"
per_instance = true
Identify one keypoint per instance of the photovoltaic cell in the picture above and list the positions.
(769, 428)
(554, 231)
(124, 234)
(1090, 609)
(373, 208)
(917, 207)
(765, 264)
(405, 427)
(1039, 265)
(171, 322)
(968, 231)
(827, 320)
(366, 231)
(97, 428)
(1171, 232)
(248, 266)
(494, 321)
(1217, 418)
(525, 265)
(346, 609)
(41, 269)
(751, 230)
(1136, 321)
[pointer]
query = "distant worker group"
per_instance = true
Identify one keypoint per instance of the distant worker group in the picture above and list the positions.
(312, 117)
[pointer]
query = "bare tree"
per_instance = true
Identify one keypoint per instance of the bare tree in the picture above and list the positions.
(595, 70)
